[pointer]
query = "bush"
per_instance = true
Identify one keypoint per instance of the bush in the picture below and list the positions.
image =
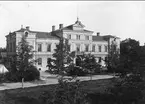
(31, 74)
(78, 71)
(12, 77)
(2, 77)
(65, 93)
(97, 69)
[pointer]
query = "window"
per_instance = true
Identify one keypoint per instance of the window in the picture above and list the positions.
(48, 61)
(99, 60)
(78, 47)
(26, 34)
(106, 59)
(39, 61)
(78, 37)
(106, 48)
(100, 48)
(48, 47)
(39, 47)
(87, 37)
(69, 47)
(87, 48)
(69, 36)
(93, 48)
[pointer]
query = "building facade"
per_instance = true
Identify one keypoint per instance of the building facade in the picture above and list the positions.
(44, 43)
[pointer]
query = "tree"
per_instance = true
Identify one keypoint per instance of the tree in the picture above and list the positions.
(61, 55)
(89, 63)
(130, 54)
(113, 57)
(24, 54)
(25, 60)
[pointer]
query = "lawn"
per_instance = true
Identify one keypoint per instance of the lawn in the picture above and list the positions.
(31, 95)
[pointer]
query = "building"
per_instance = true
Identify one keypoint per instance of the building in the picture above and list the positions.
(80, 40)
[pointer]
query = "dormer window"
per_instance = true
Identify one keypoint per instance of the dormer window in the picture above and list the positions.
(26, 34)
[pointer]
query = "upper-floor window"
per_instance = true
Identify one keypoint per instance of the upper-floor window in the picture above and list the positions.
(100, 48)
(93, 48)
(87, 48)
(78, 37)
(69, 36)
(106, 48)
(39, 47)
(48, 47)
(78, 47)
(87, 37)
(39, 61)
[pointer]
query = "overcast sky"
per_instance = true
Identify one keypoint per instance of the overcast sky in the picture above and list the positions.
(124, 19)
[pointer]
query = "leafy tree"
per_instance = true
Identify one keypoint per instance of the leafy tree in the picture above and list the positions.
(24, 54)
(88, 63)
(130, 53)
(25, 59)
(61, 55)
(113, 58)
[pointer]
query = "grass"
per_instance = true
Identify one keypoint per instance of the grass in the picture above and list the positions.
(31, 95)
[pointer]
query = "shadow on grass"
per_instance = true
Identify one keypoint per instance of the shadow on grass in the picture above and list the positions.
(26, 100)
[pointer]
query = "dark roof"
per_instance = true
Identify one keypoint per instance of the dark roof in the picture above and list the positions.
(98, 38)
(111, 36)
(21, 30)
(45, 35)
(39, 34)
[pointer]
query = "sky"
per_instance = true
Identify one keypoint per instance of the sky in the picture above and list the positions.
(124, 19)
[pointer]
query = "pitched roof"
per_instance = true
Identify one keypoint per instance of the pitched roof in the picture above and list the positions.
(45, 35)
(39, 34)
(98, 38)
(21, 30)
(111, 36)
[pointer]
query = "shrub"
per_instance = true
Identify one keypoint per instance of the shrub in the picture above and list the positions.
(31, 73)
(97, 69)
(2, 77)
(65, 93)
(13, 77)
(78, 71)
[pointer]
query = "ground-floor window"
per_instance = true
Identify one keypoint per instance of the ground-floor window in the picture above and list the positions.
(99, 59)
(39, 61)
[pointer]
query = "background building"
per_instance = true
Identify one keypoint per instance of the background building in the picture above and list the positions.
(80, 40)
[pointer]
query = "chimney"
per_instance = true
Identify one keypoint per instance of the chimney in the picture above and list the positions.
(98, 33)
(60, 26)
(53, 28)
(27, 27)
(21, 26)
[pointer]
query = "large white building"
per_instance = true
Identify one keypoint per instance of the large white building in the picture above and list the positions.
(44, 43)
